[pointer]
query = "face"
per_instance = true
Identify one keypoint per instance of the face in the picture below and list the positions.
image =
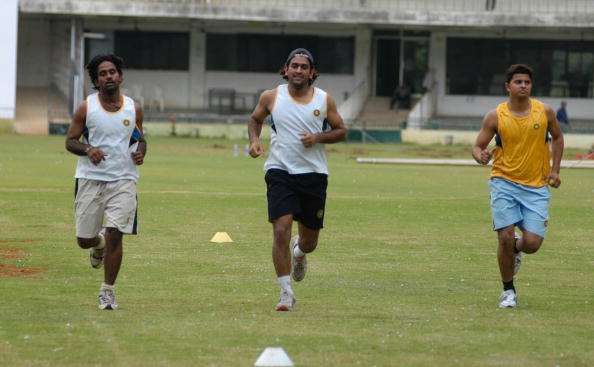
(108, 78)
(299, 72)
(519, 86)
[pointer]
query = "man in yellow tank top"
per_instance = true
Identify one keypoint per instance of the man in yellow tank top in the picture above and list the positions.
(524, 130)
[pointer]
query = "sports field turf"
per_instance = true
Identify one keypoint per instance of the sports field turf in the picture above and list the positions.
(405, 274)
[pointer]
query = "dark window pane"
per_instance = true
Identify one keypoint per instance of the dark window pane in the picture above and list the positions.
(267, 53)
(561, 68)
(153, 50)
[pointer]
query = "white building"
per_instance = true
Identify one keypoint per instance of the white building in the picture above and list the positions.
(196, 56)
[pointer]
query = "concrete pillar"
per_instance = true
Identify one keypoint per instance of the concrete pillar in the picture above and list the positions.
(197, 94)
(363, 57)
(8, 39)
(437, 61)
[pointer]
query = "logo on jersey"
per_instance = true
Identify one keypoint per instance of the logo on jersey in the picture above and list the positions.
(536, 126)
(316, 113)
(126, 122)
(320, 214)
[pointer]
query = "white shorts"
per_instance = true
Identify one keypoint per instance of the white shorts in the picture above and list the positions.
(105, 204)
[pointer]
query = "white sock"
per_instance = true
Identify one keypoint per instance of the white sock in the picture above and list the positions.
(285, 283)
(101, 244)
(107, 286)
(297, 251)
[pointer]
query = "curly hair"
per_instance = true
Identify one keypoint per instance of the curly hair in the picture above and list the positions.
(517, 69)
(93, 66)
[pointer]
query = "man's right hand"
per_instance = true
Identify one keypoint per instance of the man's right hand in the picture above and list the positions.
(96, 155)
(483, 157)
(256, 149)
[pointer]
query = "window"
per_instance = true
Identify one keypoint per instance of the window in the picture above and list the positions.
(561, 68)
(153, 50)
(267, 53)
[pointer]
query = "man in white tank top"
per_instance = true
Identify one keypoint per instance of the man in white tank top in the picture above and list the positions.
(110, 125)
(304, 118)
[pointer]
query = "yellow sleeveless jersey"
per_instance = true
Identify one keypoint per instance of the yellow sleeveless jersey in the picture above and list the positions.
(522, 153)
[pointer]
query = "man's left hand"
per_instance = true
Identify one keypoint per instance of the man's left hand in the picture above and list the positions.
(553, 180)
(308, 140)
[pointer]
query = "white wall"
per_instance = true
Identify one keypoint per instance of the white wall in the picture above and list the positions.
(33, 52)
(175, 86)
(476, 106)
(60, 67)
(336, 85)
(190, 89)
(8, 61)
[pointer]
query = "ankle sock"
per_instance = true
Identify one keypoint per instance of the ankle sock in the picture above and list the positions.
(509, 285)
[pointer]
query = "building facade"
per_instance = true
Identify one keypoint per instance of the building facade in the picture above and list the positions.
(215, 55)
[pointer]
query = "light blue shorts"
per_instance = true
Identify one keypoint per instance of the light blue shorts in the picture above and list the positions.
(526, 207)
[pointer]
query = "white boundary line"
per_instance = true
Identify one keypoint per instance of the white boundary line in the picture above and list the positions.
(459, 162)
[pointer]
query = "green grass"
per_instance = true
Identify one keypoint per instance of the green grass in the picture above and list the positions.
(6, 126)
(405, 273)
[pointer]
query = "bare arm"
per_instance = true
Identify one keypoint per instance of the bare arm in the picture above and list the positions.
(260, 113)
(138, 155)
(557, 145)
(335, 135)
(480, 153)
(75, 131)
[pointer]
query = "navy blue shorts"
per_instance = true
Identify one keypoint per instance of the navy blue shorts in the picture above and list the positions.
(303, 195)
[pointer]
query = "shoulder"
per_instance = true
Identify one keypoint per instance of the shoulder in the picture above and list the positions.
(81, 111)
(491, 119)
(541, 106)
(269, 95)
(492, 115)
(330, 102)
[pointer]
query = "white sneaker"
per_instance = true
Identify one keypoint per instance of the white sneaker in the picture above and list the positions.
(107, 299)
(508, 299)
(96, 254)
(298, 264)
(517, 257)
(286, 302)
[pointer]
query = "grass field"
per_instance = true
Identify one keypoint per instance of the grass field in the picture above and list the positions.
(405, 274)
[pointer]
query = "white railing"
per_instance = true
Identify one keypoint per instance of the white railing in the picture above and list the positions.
(364, 6)
(350, 108)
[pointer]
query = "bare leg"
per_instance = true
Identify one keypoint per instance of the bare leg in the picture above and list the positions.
(281, 256)
(113, 254)
(505, 253)
(87, 242)
(308, 238)
(530, 242)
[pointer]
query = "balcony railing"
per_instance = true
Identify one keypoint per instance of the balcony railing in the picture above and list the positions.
(474, 6)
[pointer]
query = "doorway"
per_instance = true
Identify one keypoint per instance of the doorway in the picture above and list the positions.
(400, 60)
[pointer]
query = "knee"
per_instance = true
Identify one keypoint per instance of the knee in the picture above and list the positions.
(85, 242)
(507, 240)
(113, 232)
(531, 245)
(281, 230)
(308, 244)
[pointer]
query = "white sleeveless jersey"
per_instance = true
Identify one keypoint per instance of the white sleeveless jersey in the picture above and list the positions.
(114, 133)
(290, 119)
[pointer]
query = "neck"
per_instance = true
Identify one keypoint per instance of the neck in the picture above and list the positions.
(301, 91)
(519, 103)
(110, 96)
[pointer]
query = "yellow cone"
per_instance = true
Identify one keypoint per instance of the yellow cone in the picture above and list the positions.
(221, 237)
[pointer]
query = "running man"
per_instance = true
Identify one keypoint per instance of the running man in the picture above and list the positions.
(521, 172)
(303, 119)
(112, 145)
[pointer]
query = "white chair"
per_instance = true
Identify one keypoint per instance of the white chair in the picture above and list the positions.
(158, 99)
(137, 94)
